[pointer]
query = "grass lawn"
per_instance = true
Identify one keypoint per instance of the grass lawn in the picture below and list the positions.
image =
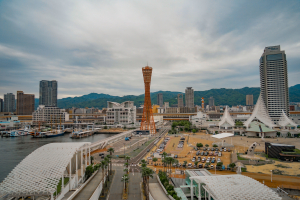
(241, 158)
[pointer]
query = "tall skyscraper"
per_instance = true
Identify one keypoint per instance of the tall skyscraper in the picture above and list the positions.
(1, 105)
(48, 93)
(274, 81)
(249, 100)
(160, 100)
(211, 102)
(9, 102)
(180, 100)
(25, 103)
(189, 97)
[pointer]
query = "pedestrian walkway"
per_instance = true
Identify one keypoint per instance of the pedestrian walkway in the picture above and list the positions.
(89, 189)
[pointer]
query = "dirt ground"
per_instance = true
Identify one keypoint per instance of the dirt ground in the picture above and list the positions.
(187, 152)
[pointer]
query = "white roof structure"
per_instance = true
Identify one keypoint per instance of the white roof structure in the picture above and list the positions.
(223, 135)
(260, 112)
(285, 120)
(226, 120)
(39, 173)
(235, 187)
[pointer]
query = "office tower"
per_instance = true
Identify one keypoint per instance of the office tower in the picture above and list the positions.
(211, 102)
(189, 97)
(180, 100)
(25, 103)
(249, 100)
(9, 102)
(48, 93)
(274, 82)
(1, 105)
(166, 105)
(160, 100)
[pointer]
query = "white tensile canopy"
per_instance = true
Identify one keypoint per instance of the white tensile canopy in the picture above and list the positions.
(260, 112)
(226, 120)
(285, 120)
(223, 135)
(234, 187)
(40, 172)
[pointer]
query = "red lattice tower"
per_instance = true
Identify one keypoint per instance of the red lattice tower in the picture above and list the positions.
(147, 119)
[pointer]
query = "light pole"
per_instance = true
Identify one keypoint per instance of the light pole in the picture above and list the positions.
(124, 149)
(271, 174)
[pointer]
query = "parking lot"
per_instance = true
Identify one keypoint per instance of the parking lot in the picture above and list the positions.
(183, 150)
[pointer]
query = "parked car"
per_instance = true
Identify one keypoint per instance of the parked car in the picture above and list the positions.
(202, 153)
(220, 154)
(197, 153)
(213, 161)
(216, 149)
(149, 158)
(199, 159)
(200, 165)
(204, 149)
(219, 160)
(190, 165)
(212, 166)
(205, 153)
(228, 150)
(212, 149)
(203, 160)
(176, 156)
(193, 159)
(211, 153)
(208, 149)
(224, 149)
(208, 161)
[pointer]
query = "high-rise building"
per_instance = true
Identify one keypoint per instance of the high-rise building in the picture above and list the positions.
(211, 102)
(25, 103)
(274, 81)
(1, 105)
(9, 102)
(180, 100)
(189, 97)
(249, 100)
(48, 93)
(160, 100)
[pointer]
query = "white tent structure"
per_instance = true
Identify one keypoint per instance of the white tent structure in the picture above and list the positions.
(231, 187)
(260, 112)
(222, 136)
(226, 120)
(286, 121)
(40, 172)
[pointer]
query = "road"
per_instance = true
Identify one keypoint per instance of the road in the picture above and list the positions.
(134, 186)
(117, 185)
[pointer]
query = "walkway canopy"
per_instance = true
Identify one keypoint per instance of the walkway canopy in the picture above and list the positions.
(226, 120)
(260, 112)
(39, 173)
(235, 187)
(222, 135)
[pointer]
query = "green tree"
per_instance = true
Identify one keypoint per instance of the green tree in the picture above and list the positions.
(111, 151)
(207, 145)
(154, 160)
(143, 163)
(89, 170)
(126, 170)
(194, 130)
(199, 145)
(232, 165)
(125, 179)
(127, 158)
(92, 158)
(215, 145)
(196, 163)
(146, 174)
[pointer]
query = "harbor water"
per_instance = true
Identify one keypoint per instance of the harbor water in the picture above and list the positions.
(14, 149)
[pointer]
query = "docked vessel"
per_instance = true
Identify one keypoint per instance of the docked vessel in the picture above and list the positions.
(14, 134)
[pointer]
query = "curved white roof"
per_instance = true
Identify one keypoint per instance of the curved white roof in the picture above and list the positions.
(226, 118)
(40, 172)
(223, 135)
(285, 121)
(236, 187)
(260, 112)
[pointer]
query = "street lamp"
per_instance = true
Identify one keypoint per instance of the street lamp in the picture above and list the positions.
(124, 149)
(271, 174)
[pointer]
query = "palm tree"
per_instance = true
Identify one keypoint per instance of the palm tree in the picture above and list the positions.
(125, 179)
(126, 170)
(127, 158)
(143, 163)
(106, 159)
(196, 163)
(111, 151)
(146, 173)
(126, 165)
(92, 158)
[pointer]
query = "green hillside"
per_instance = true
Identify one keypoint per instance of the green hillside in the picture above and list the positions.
(222, 96)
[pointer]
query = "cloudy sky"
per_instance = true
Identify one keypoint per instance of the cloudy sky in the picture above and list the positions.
(101, 46)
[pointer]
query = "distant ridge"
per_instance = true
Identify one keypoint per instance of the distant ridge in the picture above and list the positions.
(222, 96)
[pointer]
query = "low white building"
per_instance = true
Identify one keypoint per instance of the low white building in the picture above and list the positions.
(49, 114)
(120, 113)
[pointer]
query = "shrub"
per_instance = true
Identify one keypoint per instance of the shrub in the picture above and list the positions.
(170, 187)
(215, 145)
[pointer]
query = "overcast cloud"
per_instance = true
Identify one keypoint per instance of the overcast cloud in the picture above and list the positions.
(101, 46)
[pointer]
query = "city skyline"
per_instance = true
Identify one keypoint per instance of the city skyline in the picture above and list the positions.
(192, 46)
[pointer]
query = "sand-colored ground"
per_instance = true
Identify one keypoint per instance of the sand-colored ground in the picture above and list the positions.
(113, 130)
(187, 152)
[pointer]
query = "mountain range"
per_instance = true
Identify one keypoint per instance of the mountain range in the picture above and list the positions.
(222, 96)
